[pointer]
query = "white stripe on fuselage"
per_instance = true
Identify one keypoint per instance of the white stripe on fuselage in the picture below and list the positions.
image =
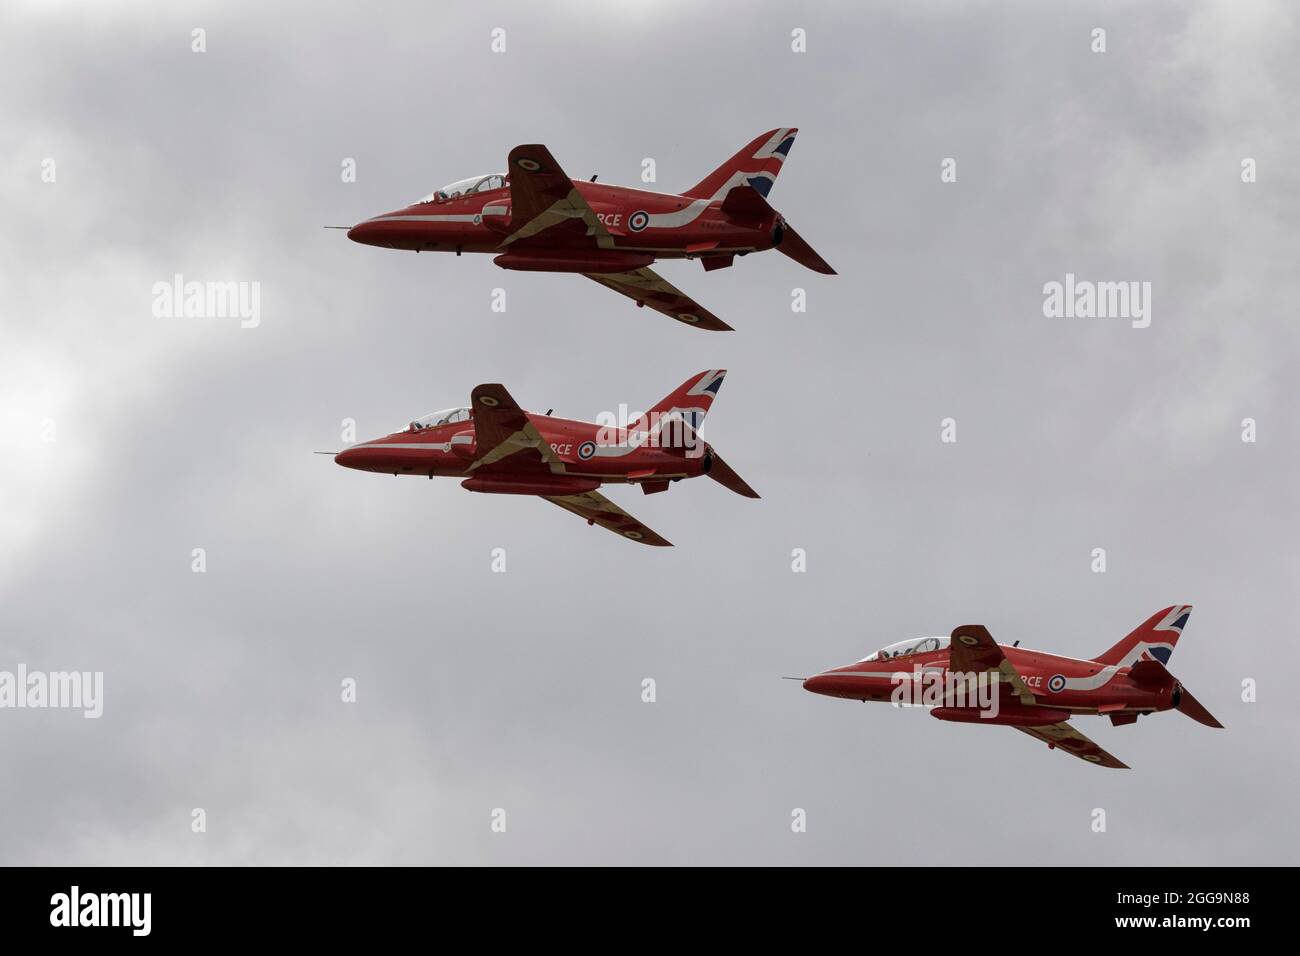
(414, 446)
(1090, 682)
(458, 217)
(678, 218)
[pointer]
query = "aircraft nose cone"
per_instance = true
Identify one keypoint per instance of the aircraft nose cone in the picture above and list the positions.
(347, 458)
(372, 232)
(816, 684)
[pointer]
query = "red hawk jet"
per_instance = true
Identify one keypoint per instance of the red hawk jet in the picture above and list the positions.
(1033, 691)
(535, 218)
(498, 448)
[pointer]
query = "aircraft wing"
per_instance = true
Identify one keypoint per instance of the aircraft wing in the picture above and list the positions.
(1067, 738)
(647, 287)
(542, 196)
(502, 429)
(973, 651)
(595, 508)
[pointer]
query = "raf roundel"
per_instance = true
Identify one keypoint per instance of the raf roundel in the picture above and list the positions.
(634, 535)
(1056, 684)
(586, 450)
(687, 317)
(968, 640)
(488, 400)
(531, 165)
(638, 220)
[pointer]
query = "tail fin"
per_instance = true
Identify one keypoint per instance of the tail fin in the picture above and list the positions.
(1154, 639)
(689, 401)
(756, 165)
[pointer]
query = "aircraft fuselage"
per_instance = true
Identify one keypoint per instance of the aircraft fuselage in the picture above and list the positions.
(592, 455)
(1061, 685)
(643, 226)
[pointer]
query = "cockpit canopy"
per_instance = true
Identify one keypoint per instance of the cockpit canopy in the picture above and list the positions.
(448, 416)
(466, 187)
(917, 645)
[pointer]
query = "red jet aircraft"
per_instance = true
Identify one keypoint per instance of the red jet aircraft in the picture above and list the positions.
(498, 448)
(537, 219)
(1038, 692)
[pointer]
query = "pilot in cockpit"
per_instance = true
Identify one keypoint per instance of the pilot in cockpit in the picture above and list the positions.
(464, 187)
(448, 416)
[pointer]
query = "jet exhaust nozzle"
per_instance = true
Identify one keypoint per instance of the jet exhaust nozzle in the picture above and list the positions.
(1153, 675)
(1185, 703)
(789, 242)
(723, 474)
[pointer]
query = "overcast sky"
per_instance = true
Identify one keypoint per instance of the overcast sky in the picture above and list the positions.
(478, 690)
